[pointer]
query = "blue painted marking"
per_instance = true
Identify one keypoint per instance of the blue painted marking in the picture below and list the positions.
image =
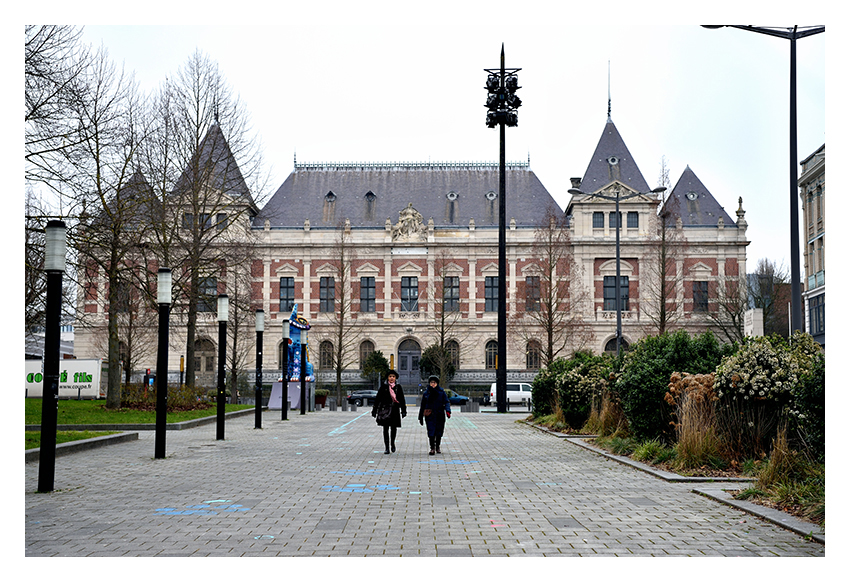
(358, 488)
(203, 509)
(341, 429)
(369, 472)
(438, 462)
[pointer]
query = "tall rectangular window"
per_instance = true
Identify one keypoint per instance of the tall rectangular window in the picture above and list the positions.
(367, 294)
(208, 294)
(598, 220)
(326, 294)
(451, 293)
(287, 294)
(701, 296)
(410, 293)
(532, 293)
(632, 220)
(491, 293)
(612, 220)
(609, 293)
(817, 323)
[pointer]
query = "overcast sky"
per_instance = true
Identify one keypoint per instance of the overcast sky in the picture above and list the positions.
(362, 86)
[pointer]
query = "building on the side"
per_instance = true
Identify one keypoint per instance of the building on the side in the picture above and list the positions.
(422, 241)
(812, 183)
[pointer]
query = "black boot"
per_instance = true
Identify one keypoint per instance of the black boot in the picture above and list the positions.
(386, 443)
(392, 439)
(437, 443)
(431, 442)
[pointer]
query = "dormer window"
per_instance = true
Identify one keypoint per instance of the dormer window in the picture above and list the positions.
(491, 195)
(452, 196)
(330, 196)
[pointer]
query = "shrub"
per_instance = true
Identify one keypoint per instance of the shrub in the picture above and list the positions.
(753, 387)
(544, 388)
(693, 398)
(606, 414)
(580, 384)
(647, 368)
(809, 409)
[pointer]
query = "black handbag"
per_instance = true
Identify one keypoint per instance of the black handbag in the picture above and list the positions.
(383, 414)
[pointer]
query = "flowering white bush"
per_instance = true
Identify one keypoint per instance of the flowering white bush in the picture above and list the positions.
(757, 371)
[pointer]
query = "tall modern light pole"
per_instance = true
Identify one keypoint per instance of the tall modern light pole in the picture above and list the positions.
(792, 34)
(617, 293)
(163, 298)
(55, 244)
(258, 387)
(502, 103)
(222, 354)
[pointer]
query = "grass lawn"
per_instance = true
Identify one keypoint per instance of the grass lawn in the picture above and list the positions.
(95, 412)
(33, 438)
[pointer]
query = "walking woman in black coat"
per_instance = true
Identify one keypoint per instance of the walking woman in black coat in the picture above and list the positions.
(434, 410)
(389, 409)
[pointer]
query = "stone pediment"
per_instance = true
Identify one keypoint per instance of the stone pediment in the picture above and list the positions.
(410, 226)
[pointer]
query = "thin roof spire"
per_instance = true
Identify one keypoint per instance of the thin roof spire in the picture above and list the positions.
(609, 90)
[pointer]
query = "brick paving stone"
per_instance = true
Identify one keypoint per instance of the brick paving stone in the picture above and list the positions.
(320, 485)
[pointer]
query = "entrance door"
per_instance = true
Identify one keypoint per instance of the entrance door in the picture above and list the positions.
(408, 366)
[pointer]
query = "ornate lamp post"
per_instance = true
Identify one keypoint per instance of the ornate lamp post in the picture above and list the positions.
(55, 244)
(502, 103)
(222, 354)
(616, 198)
(163, 298)
(792, 34)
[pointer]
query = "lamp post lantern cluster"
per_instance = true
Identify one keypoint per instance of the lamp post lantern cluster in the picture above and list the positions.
(502, 103)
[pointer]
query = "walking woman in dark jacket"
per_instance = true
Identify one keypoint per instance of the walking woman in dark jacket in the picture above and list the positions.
(434, 409)
(389, 408)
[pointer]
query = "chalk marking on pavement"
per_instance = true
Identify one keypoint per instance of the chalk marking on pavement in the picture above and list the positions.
(342, 428)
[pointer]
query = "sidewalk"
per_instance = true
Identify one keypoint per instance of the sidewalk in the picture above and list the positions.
(320, 485)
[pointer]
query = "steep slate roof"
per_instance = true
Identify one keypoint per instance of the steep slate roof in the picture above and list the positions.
(600, 172)
(703, 210)
(225, 174)
(368, 194)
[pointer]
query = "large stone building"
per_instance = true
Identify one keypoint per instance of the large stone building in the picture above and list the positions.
(812, 184)
(422, 240)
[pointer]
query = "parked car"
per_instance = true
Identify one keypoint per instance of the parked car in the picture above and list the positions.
(361, 397)
(455, 398)
(516, 393)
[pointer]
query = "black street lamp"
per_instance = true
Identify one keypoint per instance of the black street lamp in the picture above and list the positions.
(258, 389)
(616, 198)
(55, 244)
(792, 34)
(284, 393)
(222, 354)
(163, 298)
(502, 103)
(303, 373)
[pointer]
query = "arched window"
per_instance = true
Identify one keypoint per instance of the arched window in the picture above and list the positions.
(204, 356)
(326, 355)
(532, 355)
(454, 353)
(366, 348)
(611, 346)
(491, 352)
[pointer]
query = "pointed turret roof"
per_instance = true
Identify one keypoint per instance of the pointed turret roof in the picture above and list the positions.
(692, 201)
(217, 167)
(612, 161)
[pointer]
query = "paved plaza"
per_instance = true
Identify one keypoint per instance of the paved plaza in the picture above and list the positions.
(320, 485)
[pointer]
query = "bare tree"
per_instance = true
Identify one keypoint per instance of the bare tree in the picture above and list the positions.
(770, 291)
(201, 160)
(110, 195)
(728, 304)
(663, 278)
(446, 326)
(343, 329)
(551, 294)
(55, 62)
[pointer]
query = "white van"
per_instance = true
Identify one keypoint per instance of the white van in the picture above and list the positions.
(517, 393)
